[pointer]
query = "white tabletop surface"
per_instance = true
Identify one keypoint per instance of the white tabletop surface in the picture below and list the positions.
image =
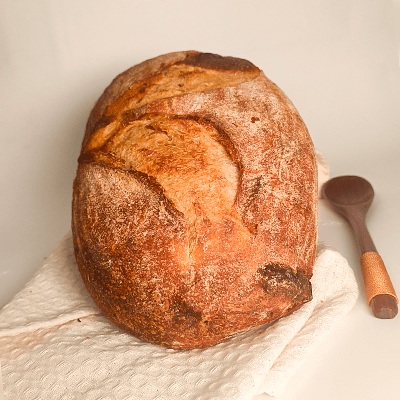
(338, 61)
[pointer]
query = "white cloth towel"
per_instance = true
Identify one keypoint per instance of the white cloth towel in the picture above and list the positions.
(54, 343)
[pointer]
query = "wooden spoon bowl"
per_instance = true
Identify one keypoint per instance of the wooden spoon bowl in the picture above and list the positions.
(348, 191)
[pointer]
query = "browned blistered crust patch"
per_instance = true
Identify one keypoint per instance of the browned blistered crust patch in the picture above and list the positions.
(194, 207)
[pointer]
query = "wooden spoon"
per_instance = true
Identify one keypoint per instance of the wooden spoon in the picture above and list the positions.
(351, 197)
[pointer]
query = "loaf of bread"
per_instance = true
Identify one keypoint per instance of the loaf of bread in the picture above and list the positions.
(195, 201)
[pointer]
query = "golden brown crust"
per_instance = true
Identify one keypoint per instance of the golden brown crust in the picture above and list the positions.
(194, 208)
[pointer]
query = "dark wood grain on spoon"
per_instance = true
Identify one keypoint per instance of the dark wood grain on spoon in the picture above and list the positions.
(351, 197)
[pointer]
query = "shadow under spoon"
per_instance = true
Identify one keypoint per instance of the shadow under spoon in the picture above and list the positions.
(351, 196)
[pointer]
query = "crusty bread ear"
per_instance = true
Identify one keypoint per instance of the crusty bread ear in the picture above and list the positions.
(194, 209)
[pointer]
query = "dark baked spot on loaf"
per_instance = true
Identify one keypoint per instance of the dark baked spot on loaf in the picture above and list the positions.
(99, 157)
(86, 157)
(185, 313)
(129, 116)
(217, 62)
(277, 280)
(99, 123)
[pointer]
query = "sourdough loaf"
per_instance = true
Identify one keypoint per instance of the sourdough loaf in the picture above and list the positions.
(194, 205)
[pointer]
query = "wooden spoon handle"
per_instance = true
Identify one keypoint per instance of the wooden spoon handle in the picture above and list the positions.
(379, 289)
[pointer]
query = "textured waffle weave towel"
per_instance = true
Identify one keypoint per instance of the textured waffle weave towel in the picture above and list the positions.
(54, 344)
